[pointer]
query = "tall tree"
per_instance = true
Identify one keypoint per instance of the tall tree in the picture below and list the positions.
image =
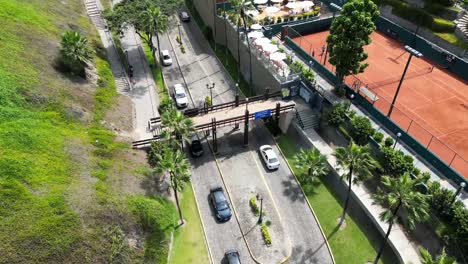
(75, 51)
(181, 126)
(314, 162)
(240, 6)
(148, 17)
(359, 163)
(349, 33)
(426, 258)
(177, 166)
(400, 193)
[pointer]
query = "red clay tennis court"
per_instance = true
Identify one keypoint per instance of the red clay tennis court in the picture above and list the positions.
(432, 104)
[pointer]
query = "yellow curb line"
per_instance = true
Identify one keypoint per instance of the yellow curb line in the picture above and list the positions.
(232, 204)
(276, 208)
(203, 227)
(305, 196)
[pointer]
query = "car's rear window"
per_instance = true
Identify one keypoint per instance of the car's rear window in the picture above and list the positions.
(272, 160)
(166, 57)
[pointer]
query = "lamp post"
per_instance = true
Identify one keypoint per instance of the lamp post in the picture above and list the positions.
(462, 185)
(260, 218)
(211, 91)
(412, 53)
(246, 104)
(180, 35)
(339, 8)
(351, 97)
(398, 135)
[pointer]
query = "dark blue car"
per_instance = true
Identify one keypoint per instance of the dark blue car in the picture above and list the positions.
(220, 204)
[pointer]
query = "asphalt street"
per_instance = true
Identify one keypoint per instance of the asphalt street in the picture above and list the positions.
(200, 67)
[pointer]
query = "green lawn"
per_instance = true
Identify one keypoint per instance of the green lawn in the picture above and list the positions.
(189, 243)
(349, 245)
(156, 70)
(453, 39)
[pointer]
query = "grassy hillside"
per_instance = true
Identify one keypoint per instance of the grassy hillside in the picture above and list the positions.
(69, 191)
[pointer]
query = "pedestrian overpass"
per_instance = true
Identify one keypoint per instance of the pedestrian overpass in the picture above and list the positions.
(234, 113)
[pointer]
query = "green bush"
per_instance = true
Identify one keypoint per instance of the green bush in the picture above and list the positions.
(254, 206)
(395, 163)
(336, 116)
(266, 234)
(308, 74)
(442, 25)
(378, 137)
(440, 200)
(460, 224)
(165, 105)
(434, 8)
(296, 67)
(389, 142)
(361, 129)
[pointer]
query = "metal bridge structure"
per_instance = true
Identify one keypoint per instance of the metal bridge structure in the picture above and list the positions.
(234, 113)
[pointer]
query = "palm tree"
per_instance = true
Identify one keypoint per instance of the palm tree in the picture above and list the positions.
(75, 52)
(240, 6)
(181, 126)
(359, 163)
(401, 193)
(177, 166)
(156, 23)
(313, 161)
(426, 258)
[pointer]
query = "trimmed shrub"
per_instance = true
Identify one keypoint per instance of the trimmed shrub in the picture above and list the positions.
(362, 129)
(442, 25)
(266, 234)
(395, 163)
(254, 206)
(378, 137)
(336, 116)
(308, 74)
(389, 142)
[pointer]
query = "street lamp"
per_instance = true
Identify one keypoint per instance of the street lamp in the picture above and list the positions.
(246, 104)
(462, 185)
(351, 97)
(396, 140)
(211, 91)
(412, 53)
(260, 218)
(180, 35)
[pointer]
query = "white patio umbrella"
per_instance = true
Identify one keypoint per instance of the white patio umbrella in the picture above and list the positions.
(260, 2)
(293, 5)
(256, 27)
(272, 9)
(277, 56)
(306, 3)
(255, 34)
(269, 48)
(252, 12)
(262, 41)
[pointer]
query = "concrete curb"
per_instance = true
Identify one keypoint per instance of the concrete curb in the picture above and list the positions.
(232, 204)
(305, 196)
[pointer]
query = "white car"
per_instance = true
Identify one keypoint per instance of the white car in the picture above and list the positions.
(180, 95)
(269, 157)
(166, 58)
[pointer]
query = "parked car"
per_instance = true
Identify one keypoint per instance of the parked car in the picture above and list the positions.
(184, 16)
(232, 257)
(220, 204)
(166, 58)
(180, 96)
(196, 147)
(269, 157)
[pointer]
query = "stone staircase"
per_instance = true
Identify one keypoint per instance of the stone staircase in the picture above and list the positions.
(308, 118)
(462, 26)
(121, 82)
(94, 13)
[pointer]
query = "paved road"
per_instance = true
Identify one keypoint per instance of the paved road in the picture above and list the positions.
(308, 243)
(201, 67)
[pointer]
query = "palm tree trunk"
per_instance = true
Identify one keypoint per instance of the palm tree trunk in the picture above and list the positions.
(345, 208)
(238, 51)
(248, 45)
(309, 172)
(174, 188)
(390, 225)
(159, 63)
